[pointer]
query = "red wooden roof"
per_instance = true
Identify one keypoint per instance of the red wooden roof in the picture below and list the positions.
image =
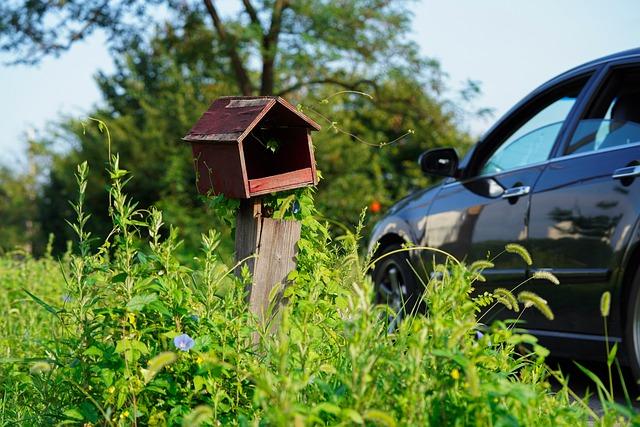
(232, 118)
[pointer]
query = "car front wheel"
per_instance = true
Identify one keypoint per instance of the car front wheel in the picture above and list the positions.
(632, 328)
(395, 283)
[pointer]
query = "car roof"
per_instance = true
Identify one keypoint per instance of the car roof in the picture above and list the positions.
(630, 53)
(567, 75)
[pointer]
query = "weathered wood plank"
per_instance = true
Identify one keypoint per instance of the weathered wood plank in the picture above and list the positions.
(248, 227)
(281, 181)
(276, 259)
(269, 248)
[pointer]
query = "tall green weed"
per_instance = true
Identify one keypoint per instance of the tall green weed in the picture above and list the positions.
(120, 332)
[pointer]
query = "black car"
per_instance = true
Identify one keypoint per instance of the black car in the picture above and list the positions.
(558, 174)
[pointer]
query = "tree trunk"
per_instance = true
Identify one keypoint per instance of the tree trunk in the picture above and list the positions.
(240, 73)
(270, 48)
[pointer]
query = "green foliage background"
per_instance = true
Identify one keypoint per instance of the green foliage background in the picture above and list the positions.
(167, 76)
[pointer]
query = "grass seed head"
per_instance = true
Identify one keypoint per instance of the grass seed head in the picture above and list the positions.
(480, 265)
(514, 248)
(546, 275)
(506, 298)
(605, 304)
(529, 299)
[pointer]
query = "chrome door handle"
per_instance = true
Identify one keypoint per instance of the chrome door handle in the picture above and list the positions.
(628, 172)
(516, 192)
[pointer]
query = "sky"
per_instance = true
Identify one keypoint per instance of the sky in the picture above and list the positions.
(509, 46)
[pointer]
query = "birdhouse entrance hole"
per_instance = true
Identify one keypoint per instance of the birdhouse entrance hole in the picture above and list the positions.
(277, 157)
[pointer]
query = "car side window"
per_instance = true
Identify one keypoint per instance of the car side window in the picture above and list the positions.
(530, 148)
(532, 141)
(613, 119)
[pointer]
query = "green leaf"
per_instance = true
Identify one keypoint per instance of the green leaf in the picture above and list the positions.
(522, 338)
(199, 415)
(540, 351)
(284, 205)
(159, 307)
(142, 258)
(123, 395)
(329, 408)
(198, 382)
(273, 145)
(93, 351)
(107, 376)
(89, 412)
(379, 417)
(138, 302)
(119, 278)
(293, 275)
(353, 416)
(131, 349)
(459, 359)
(51, 309)
(593, 377)
(170, 334)
(203, 342)
(74, 413)
(612, 354)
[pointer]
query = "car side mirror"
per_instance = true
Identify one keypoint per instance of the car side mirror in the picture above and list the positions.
(439, 161)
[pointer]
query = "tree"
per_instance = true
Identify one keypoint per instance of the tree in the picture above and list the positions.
(18, 204)
(317, 53)
(269, 47)
(158, 91)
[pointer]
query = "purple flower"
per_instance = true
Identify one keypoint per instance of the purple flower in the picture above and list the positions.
(184, 342)
(479, 334)
(66, 298)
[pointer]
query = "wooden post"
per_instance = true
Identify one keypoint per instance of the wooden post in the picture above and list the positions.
(231, 159)
(271, 246)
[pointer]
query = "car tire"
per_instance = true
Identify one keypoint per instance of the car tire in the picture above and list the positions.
(632, 329)
(396, 283)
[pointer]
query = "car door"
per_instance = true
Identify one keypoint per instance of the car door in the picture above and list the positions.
(475, 217)
(585, 206)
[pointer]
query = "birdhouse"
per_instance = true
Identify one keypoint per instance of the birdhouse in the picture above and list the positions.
(249, 146)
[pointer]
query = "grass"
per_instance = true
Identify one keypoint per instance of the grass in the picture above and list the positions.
(92, 339)
(329, 361)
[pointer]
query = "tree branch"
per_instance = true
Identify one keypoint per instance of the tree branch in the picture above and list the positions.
(347, 85)
(241, 75)
(251, 11)
(42, 47)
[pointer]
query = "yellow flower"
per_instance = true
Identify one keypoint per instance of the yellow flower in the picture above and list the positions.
(199, 360)
(111, 389)
(125, 414)
(455, 374)
(132, 318)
